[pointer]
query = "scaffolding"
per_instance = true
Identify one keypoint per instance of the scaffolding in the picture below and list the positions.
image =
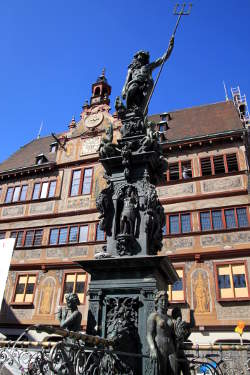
(240, 102)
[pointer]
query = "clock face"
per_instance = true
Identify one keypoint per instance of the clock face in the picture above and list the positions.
(94, 120)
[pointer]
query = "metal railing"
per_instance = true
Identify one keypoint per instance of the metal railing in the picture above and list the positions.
(74, 356)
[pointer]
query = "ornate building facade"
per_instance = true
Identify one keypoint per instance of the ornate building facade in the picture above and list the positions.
(48, 191)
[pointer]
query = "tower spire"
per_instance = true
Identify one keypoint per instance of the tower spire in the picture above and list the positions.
(101, 90)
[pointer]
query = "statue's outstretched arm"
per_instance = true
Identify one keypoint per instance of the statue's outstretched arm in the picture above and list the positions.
(126, 83)
(166, 55)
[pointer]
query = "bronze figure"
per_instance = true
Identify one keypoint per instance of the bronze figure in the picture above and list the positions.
(161, 337)
(70, 317)
(139, 81)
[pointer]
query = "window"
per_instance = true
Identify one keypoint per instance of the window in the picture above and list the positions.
(2, 235)
(176, 291)
(41, 159)
(53, 147)
(232, 280)
(162, 127)
(16, 194)
(219, 164)
(179, 223)
(227, 218)
(28, 238)
(44, 190)
(74, 283)
(68, 234)
(81, 182)
(99, 234)
(24, 291)
(83, 235)
(181, 170)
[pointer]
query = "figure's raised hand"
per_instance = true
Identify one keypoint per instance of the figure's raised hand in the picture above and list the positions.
(170, 48)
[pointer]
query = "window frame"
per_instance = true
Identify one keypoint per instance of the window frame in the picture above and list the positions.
(242, 262)
(53, 147)
(179, 221)
(180, 169)
(3, 232)
(80, 187)
(24, 238)
(172, 301)
(105, 236)
(31, 303)
(68, 234)
(222, 209)
(19, 194)
(74, 271)
(224, 155)
(40, 189)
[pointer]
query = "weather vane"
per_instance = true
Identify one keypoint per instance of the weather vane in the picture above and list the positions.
(179, 11)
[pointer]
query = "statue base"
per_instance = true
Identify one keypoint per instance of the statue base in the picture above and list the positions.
(121, 297)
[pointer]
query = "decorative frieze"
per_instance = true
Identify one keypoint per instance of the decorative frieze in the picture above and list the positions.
(222, 184)
(13, 211)
(211, 240)
(41, 208)
(55, 252)
(32, 254)
(233, 311)
(225, 239)
(176, 190)
(78, 203)
(178, 243)
(78, 251)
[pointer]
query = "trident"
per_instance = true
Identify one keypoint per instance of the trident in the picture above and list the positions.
(180, 13)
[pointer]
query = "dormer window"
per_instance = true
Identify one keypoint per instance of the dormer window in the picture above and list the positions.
(165, 116)
(53, 147)
(162, 128)
(41, 159)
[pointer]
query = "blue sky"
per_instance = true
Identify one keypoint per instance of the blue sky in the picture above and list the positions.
(52, 51)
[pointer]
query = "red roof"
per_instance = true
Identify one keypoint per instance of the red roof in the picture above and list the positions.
(184, 123)
(202, 120)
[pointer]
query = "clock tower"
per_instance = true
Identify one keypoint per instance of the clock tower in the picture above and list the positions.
(101, 91)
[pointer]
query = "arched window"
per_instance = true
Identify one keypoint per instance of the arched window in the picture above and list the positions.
(97, 91)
